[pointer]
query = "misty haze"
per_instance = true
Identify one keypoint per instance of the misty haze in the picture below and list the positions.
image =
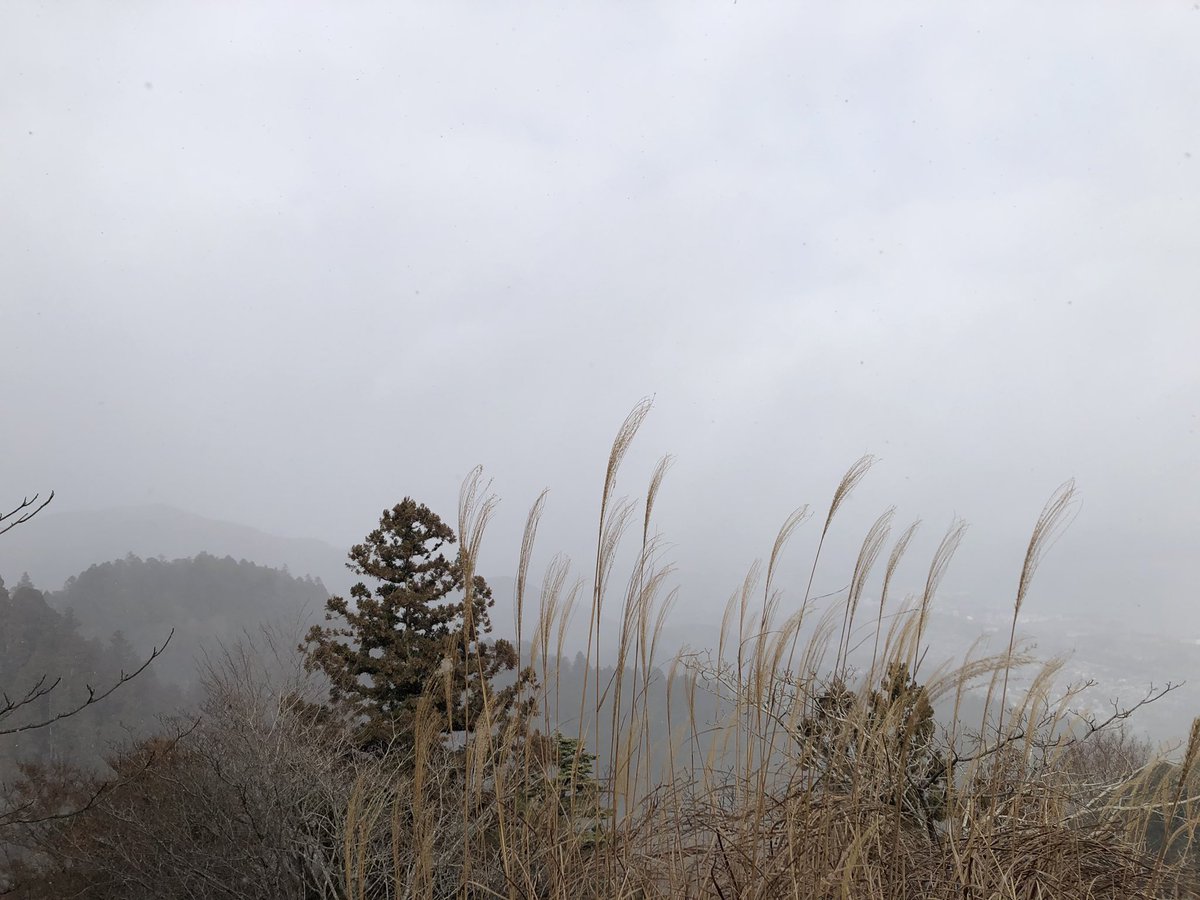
(588, 452)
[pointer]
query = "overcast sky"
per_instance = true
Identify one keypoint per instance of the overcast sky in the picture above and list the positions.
(284, 264)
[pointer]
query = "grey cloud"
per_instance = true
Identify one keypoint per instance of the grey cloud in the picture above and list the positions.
(337, 254)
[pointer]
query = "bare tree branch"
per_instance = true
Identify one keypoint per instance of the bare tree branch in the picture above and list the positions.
(23, 512)
(93, 697)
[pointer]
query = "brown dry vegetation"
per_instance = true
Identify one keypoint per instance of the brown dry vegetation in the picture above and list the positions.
(819, 781)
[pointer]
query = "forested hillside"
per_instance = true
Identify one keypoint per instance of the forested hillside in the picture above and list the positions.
(206, 599)
(106, 621)
(40, 646)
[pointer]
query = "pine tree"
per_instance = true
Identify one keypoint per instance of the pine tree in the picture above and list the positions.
(413, 633)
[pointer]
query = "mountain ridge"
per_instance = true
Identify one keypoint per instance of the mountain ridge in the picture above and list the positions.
(58, 545)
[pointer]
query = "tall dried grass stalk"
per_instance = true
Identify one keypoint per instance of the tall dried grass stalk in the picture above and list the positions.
(821, 774)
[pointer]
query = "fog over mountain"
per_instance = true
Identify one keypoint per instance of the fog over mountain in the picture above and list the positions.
(1124, 659)
(286, 268)
(283, 268)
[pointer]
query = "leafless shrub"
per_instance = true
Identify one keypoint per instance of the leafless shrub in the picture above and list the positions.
(243, 801)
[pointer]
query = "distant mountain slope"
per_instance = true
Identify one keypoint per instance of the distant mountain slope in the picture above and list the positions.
(205, 599)
(57, 545)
